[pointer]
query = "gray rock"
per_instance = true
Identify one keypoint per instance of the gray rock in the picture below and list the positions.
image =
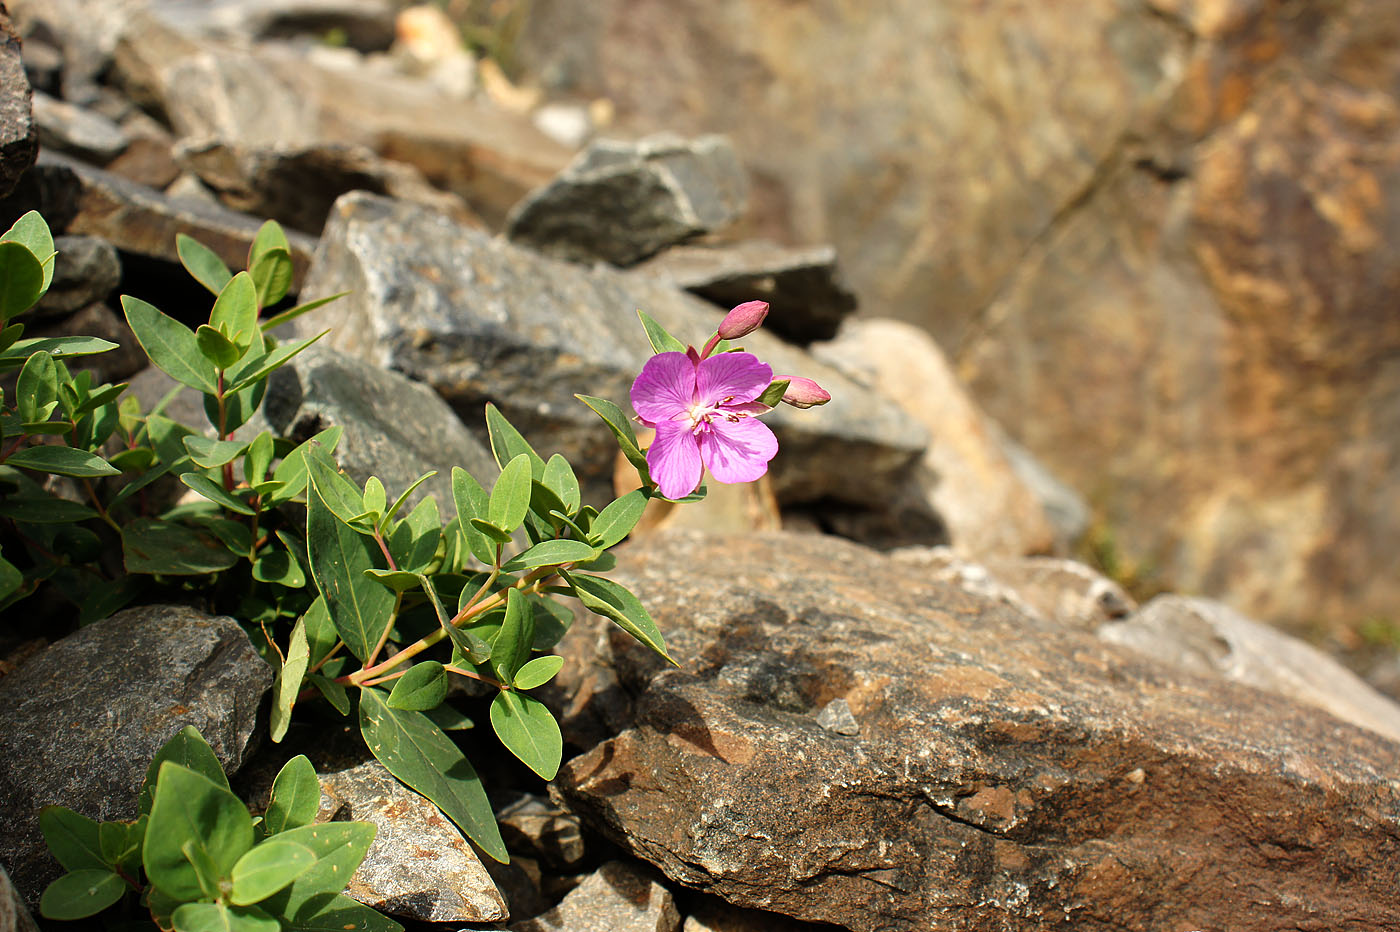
(1009, 773)
(76, 131)
(536, 826)
(394, 428)
(19, 140)
(99, 320)
(367, 25)
(622, 202)
(1204, 636)
(85, 271)
(619, 897)
(80, 722)
(87, 31)
(807, 297)
(1066, 510)
(479, 319)
(419, 867)
(14, 914)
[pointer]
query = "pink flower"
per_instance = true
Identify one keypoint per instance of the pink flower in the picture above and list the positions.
(804, 393)
(703, 411)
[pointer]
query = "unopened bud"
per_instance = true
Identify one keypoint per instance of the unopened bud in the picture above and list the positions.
(804, 393)
(743, 320)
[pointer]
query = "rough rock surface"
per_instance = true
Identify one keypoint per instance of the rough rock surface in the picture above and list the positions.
(14, 915)
(1007, 773)
(80, 721)
(1204, 636)
(536, 826)
(618, 897)
(479, 319)
(1071, 593)
(19, 139)
(87, 270)
(419, 867)
(621, 202)
(807, 297)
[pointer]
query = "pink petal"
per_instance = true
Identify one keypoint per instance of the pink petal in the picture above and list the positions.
(736, 376)
(665, 390)
(674, 459)
(737, 451)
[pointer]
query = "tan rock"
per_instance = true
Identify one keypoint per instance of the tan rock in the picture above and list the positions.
(619, 897)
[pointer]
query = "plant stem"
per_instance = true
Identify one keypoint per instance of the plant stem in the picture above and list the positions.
(389, 626)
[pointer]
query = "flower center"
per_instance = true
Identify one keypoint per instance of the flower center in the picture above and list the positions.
(700, 414)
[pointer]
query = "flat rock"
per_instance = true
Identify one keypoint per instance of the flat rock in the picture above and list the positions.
(621, 202)
(618, 897)
(78, 132)
(419, 867)
(1205, 636)
(807, 298)
(479, 319)
(86, 270)
(19, 140)
(1008, 773)
(394, 428)
(80, 722)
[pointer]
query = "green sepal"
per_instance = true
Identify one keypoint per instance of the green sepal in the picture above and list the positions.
(773, 395)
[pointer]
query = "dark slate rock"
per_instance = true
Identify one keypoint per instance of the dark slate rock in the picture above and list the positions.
(623, 201)
(19, 139)
(481, 320)
(76, 131)
(1008, 773)
(86, 270)
(802, 285)
(80, 722)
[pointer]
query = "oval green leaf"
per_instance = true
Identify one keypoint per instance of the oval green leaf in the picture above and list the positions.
(538, 672)
(550, 553)
(202, 263)
(62, 461)
(268, 868)
(193, 818)
(528, 731)
(510, 497)
(81, 894)
(296, 796)
(423, 687)
(617, 520)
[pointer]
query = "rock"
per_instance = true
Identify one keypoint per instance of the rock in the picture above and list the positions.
(394, 428)
(1206, 637)
(567, 124)
(367, 25)
(86, 270)
(479, 319)
(807, 297)
(1069, 592)
(149, 157)
(534, 825)
(80, 722)
(1065, 508)
(714, 915)
(19, 141)
(1008, 773)
(619, 897)
(99, 320)
(967, 479)
(419, 867)
(14, 915)
(621, 202)
(87, 31)
(77, 132)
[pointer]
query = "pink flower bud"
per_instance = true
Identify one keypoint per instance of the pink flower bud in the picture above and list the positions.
(804, 393)
(743, 320)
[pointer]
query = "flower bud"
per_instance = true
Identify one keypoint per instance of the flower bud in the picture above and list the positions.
(804, 393)
(743, 320)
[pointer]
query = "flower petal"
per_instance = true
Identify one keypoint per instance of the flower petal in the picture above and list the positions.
(737, 451)
(674, 459)
(735, 376)
(665, 390)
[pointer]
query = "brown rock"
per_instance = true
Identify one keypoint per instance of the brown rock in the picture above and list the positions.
(619, 897)
(19, 139)
(1008, 773)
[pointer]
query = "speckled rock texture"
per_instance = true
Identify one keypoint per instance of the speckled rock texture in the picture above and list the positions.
(618, 897)
(1005, 772)
(19, 137)
(80, 722)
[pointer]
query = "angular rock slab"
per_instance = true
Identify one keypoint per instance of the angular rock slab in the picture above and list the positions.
(80, 722)
(419, 867)
(479, 319)
(1007, 774)
(619, 897)
(621, 202)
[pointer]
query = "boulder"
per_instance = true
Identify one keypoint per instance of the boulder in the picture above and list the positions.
(78, 132)
(19, 141)
(1007, 772)
(80, 722)
(621, 202)
(481, 320)
(618, 897)
(86, 270)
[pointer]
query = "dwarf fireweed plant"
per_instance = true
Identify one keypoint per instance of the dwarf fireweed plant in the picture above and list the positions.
(354, 602)
(196, 860)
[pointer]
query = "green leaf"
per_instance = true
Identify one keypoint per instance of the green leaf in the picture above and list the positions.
(216, 493)
(37, 388)
(544, 502)
(138, 459)
(423, 687)
(559, 477)
(272, 272)
(621, 428)
(268, 868)
(33, 233)
(171, 345)
(403, 496)
(513, 642)
(510, 497)
(538, 672)
(59, 347)
(281, 568)
(288, 683)
(471, 501)
(164, 548)
(62, 461)
(193, 818)
(235, 313)
(333, 692)
(268, 238)
(321, 635)
(448, 718)
(74, 840)
(773, 394)
(414, 542)
(415, 751)
(187, 748)
(121, 844)
(612, 600)
(259, 366)
(202, 263)
(8, 335)
(259, 457)
(292, 470)
(11, 579)
(528, 731)
(216, 917)
(292, 314)
(217, 348)
(550, 553)
(21, 279)
(468, 643)
(296, 796)
(507, 443)
(375, 500)
(491, 532)
(661, 341)
(339, 848)
(552, 621)
(337, 493)
(335, 912)
(81, 894)
(617, 520)
(394, 580)
(43, 509)
(236, 537)
(210, 454)
(339, 555)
